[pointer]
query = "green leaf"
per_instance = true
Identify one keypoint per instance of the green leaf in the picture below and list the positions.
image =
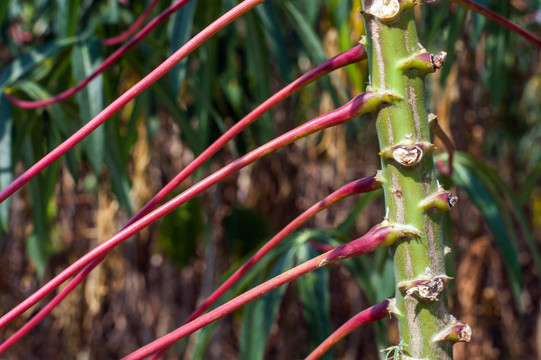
(201, 344)
(187, 133)
(274, 38)
(456, 30)
(496, 216)
(22, 65)
(179, 232)
(435, 18)
(6, 167)
(178, 33)
(4, 5)
(305, 31)
(311, 42)
(531, 183)
(119, 177)
(245, 229)
(496, 185)
(85, 58)
(65, 23)
(59, 121)
(39, 246)
(258, 69)
(259, 315)
(258, 274)
(347, 225)
(375, 277)
(498, 78)
(315, 298)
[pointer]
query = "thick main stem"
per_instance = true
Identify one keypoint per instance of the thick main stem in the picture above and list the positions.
(408, 175)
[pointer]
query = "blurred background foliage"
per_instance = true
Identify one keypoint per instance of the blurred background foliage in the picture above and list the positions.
(486, 97)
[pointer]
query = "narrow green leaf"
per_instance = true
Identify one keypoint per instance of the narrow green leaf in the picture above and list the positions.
(498, 85)
(66, 17)
(119, 177)
(245, 229)
(178, 33)
(309, 37)
(312, 10)
(71, 25)
(531, 183)
(436, 19)
(113, 11)
(496, 185)
(166, 97)
(311, 42)
(85, 58)
(187, 132)
(347, 225)
(37, 92)
(179, 232)
(258, 69)
(39, 244)
(22, 65)
(6, 169)
(4, 5)
(201, 344)
(274, 38)
(315, 298)
(204, 90)
(254, 276)
(457, 29)
(375, 277)
(494, 217)
(58, 118)
(259, 315)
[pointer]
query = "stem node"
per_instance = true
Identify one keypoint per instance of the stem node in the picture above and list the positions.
(407, 153)
(387, 10)
(456, 331)
(444, 200)
(392, 309)
(428, 288)
(424, 62)
(379, 177)
(398, 231)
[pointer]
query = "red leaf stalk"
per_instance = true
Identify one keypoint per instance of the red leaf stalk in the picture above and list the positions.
(321, 247)
(362, 103)
(503, 21)
(356, 187)
(130, 94)
(376, 237)
(104, 65)
(133, 27)
(348, 57)
(372, 314)
(360, 186)
(353, 55)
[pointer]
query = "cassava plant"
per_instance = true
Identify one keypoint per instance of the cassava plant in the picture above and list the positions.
(415, 218)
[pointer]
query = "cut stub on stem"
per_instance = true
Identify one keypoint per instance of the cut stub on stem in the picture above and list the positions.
(407, 153)
(428, 288)
(386, 10)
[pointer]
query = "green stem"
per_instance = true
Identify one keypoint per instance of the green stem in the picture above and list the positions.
(398, 64)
